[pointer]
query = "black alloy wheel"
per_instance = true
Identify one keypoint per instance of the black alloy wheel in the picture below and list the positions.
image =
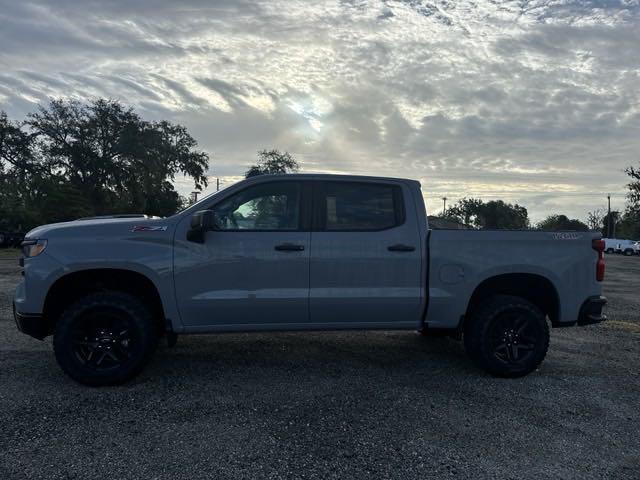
(513, 337)
(105, 338)
(507, 336)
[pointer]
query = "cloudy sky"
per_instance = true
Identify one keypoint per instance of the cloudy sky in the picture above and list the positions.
(535, 102)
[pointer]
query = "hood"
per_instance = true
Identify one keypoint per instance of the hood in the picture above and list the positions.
(119, 215)
(117, 224)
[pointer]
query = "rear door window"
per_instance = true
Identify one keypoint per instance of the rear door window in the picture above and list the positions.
(359, 206)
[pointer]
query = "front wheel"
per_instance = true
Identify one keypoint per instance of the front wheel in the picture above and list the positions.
(507, 336)
(105, 338)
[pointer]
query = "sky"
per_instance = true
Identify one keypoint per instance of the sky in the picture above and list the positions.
(534, 102)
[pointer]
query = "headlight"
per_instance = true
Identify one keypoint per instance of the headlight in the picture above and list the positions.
(33, 248)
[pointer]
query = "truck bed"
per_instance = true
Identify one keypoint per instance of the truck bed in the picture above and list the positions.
(461, 260)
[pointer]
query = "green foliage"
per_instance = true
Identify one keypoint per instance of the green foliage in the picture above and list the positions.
(494, 214)
(69, 160)
(630, 224)
(465, 211)
(562, 222)
(634, 189)
(626, 225)
(613, 224)
(623, 225)
(271, 162)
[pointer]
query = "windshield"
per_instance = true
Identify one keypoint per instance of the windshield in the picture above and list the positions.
(203, 199)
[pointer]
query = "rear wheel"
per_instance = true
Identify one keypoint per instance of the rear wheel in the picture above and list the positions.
(105, 338)
(507, 336)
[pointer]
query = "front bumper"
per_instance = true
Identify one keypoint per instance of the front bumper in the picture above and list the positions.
(591, 311)
(31, 324)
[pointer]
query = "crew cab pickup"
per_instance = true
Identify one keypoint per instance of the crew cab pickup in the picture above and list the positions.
(301, 252)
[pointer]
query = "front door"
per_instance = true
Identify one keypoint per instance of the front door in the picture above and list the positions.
(253, 270)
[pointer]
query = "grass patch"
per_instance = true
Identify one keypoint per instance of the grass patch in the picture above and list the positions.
(9, 252)
(622, 325)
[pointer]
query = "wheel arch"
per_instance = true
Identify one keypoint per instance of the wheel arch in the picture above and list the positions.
(535, 288)
(76, 284)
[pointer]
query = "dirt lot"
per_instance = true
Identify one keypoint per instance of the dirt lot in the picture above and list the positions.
(331, 405)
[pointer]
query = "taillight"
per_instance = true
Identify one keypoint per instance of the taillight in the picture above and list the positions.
(599, 246)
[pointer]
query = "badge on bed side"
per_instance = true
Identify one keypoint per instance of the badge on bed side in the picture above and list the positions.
(149, 228)
(566, 236)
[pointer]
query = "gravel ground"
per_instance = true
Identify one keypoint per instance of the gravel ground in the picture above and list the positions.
(331, 405)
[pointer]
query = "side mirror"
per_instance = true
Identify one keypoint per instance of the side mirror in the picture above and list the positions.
(201, 222)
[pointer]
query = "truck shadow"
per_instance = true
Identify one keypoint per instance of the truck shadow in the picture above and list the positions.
(320, 354)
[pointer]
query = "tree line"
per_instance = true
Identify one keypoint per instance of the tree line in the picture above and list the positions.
(70, 160)
(499, 215)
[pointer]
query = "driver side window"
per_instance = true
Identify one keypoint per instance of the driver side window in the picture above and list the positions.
(266, 207)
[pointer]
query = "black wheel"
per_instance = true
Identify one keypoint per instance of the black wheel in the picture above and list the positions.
(105, 338)
(507, 336)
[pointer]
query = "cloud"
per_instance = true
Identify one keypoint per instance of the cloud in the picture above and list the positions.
(535, 101)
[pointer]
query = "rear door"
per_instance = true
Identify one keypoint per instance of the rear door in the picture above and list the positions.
(365, 255)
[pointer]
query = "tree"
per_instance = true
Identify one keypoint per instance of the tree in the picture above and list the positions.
(495, 214)
(634, 188)
(464, 211)
(615, 220)
(595, 218)
(562, 222)
(72, 159)
(273, 161)
(631, 221)
(18, 170)
(629, 225)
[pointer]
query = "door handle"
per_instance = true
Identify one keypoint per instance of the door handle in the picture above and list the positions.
(289, 247)
(401, 248)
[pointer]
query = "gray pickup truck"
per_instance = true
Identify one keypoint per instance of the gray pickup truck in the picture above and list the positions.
(301, 252)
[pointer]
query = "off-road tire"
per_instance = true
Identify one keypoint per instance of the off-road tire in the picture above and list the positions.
(120, 309)
(494, 324)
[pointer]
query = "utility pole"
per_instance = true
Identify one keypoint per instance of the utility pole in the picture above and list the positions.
(217, 184)
(609, 218)
(194, 197)
(444, 208)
